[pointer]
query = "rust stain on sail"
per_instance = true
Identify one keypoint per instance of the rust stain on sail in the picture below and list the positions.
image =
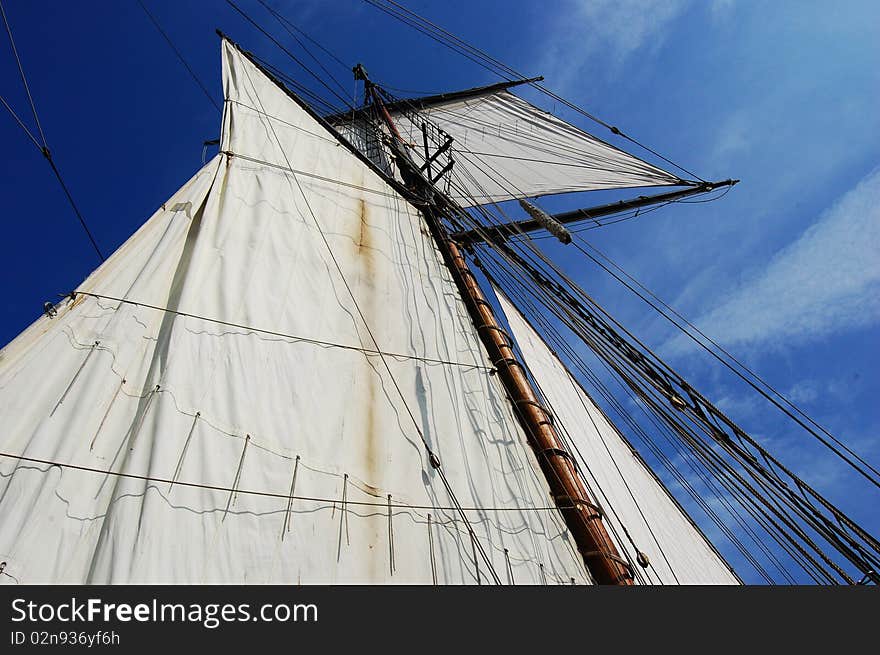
(368, 303)
(368, 385)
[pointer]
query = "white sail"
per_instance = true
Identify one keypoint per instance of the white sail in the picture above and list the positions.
(505, 147)
(211, 408)
(634, 500)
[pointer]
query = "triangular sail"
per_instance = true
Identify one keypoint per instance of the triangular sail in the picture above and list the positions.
(505, 147)
(211, 407)
(639, 511)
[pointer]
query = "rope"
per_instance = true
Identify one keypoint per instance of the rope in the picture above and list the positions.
(24, 81)
(319, 342)
(491, 64)
(44, 148)
(269, 494)
(180, 57)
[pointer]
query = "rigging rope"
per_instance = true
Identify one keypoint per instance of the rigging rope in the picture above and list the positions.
(180, 56)
(274, 333)
(491, 64)
(44, 148)
(271, 494)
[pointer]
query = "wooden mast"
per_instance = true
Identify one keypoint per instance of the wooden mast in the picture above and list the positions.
(582, 515)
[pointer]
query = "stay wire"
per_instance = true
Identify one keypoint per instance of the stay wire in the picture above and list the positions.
(24, 81)
(590, 300)
(44, 149)
(488, 62)
(292, 56)
(180, 56)
(725, 352)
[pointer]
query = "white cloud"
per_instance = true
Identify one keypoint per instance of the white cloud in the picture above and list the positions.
(827, 280)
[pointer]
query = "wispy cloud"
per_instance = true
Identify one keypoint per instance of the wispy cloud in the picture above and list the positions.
(826, 280)
(609, 31)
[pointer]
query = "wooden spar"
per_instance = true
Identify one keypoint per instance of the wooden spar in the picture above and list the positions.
(492, 232)
(582, 516)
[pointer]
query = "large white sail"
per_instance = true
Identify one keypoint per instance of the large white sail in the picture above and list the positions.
(634, 500)
(211, 408)
(505, 147)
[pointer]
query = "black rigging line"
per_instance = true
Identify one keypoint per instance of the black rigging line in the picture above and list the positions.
(488, 62)
(283, 335)
(27, 88)
(289, 26)
(262, 30)
(728, 364)
(180, 56)
(44, 149)
(816, 521)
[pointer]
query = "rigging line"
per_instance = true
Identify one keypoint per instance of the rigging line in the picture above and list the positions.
(722, 350)
(588, 341)
(180, 56)
(663, 366)
(745, 461)
(606, 394)
(284, 22)
(510, 72)
(23, 76)
(316, 100)
(288, 53)
(271, 494)
(679, 477)
(82, 221)
(367, 351)
(44, 149)
(692, 492)
(572, 444)
(435, 462)
(711, 514)
(305, 34)
(21, 123)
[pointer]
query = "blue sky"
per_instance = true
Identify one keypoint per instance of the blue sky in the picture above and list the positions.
(784, 271)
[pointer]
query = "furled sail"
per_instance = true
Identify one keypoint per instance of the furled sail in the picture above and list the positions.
(248, 389)
(505, 147)
(640, 513)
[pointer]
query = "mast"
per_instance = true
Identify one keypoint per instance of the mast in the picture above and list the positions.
(582, 515)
